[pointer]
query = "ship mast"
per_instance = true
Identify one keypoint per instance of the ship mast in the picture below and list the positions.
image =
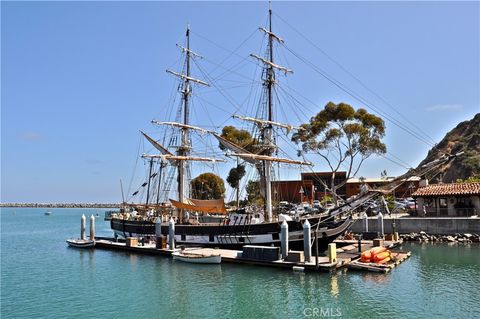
(183, 150)
(267, 125)
(268, 129)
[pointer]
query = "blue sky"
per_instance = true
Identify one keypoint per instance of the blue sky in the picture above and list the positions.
(78, 80)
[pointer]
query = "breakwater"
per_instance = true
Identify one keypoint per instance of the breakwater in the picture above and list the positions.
(61, 205)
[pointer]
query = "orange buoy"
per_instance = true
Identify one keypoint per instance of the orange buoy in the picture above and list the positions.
(384, 261)
(366, 256)
(381, 256)
(378, 250)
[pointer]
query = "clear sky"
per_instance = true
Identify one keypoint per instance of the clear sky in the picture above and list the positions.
(79, 79)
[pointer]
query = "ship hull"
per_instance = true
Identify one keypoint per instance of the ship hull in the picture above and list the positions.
(234, 236)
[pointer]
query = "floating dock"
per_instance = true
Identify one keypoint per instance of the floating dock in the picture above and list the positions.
(347, 255)
(398, 258)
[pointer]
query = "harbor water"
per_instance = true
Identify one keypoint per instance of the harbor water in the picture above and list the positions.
(43, 278)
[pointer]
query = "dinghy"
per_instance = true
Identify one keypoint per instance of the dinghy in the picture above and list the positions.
(197, 258)
(81, 243)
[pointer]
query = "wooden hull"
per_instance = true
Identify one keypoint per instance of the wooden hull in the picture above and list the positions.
(234, 236)
(80, 243)
(197, 259)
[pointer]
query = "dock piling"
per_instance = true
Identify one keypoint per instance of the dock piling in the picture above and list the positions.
(158, 227)
(82, 227)
(284, 239)
(365, 221)
(171, 234)
(92, 227)
(306, 241)
(332, 253)
(158, 232)
(360, 237)
(380, 224)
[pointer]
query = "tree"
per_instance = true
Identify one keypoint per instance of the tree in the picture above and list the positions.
(233, 179)
(208, 186)
(342, 136)
(253, 193)
(245, 140)
(239, 137)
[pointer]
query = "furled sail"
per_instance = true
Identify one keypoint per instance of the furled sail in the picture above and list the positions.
(212, 206)
(273, 65)
(256, 157)
(184, 158)
(261, 122)
(181, 125)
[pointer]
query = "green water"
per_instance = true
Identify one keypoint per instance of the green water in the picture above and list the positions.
(42, 278)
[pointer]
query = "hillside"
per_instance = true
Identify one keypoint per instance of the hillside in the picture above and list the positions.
(466, 137)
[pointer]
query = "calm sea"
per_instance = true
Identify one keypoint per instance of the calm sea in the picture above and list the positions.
(42, 278)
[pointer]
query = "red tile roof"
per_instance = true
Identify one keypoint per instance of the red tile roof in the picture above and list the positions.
(448, 189)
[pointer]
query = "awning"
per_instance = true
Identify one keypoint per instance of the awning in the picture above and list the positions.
(212, 206)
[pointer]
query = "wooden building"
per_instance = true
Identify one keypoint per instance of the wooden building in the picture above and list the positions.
(293, 191)
(311, 187)
(319, 178)
(448, 200)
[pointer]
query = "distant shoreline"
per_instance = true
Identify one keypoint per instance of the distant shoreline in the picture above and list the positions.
(59, 205)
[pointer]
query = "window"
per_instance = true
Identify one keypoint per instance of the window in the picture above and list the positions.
(443, 202)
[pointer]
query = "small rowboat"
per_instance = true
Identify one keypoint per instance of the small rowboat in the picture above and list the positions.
(80, 243)
(197, 258)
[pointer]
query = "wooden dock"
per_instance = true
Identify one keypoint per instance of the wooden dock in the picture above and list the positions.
(347, 255)
(398, 258)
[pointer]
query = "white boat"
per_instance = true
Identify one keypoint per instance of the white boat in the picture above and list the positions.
(197, 258)
(48, 213)
(81, 243)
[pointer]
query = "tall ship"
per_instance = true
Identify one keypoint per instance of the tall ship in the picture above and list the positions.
(208, 222)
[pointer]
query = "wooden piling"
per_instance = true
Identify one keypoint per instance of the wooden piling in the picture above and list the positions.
(92, 227)
(82, 227)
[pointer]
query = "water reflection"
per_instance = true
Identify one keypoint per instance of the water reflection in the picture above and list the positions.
(377, 279)
(86, 258)
(334, 286)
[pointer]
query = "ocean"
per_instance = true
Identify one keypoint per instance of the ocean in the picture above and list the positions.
(43, 278)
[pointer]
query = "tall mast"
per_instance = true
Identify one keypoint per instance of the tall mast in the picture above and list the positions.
(184, 148)
(267, 125)
(268, 129)
(270, 79)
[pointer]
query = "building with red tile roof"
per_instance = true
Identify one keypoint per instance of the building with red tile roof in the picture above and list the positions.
(454, 199)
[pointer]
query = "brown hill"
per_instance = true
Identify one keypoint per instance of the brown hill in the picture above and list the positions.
(465, 137)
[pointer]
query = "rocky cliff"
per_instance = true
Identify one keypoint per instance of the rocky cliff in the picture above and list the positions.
(465, 137)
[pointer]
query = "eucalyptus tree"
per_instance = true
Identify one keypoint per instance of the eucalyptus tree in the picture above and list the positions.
(343, 137)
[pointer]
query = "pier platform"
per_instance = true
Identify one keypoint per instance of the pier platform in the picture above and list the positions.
(348, 255)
